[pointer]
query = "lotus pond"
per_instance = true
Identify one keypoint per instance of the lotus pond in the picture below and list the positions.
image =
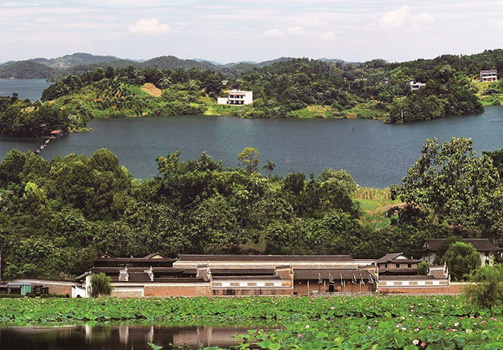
(370, 322)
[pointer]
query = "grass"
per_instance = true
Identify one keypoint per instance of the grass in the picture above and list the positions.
(315, 111)
(215, 109)
(494, 99)
(364, 110)
(373, 204)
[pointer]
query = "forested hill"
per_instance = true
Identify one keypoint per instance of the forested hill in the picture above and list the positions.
(287, 88)
(80, 63)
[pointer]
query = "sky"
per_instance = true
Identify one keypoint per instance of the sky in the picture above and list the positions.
(250, 30)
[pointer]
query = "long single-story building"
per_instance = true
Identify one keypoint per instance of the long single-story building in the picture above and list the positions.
(219, 275)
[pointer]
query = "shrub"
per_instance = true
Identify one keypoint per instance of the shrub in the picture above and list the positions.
(423, 268)
(487, 289)
(100, 285)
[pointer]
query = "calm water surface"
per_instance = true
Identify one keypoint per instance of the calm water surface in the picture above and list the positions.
(26, 88)
(376, 154)
(116, 337)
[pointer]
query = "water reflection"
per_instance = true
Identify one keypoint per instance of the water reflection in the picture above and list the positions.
(117, 337)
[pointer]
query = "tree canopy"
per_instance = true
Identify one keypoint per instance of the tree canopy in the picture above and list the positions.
(452, 184)
(461, 259)
(58, 215)
(487, 291)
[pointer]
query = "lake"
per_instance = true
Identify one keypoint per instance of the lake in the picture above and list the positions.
(26, 88)
(376, 154)
(120, 337)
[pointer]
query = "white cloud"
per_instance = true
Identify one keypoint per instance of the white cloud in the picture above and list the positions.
(425, 18)
(150, 26)
(296, 30)
(403, 16)
(273, 33)
(395, 18)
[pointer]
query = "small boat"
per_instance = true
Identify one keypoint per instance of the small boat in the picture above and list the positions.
(56, 134)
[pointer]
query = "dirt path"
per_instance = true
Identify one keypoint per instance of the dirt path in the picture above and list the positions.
(387, 207)
(152, 90)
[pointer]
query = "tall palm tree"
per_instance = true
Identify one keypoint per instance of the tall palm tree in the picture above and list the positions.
(269, 167)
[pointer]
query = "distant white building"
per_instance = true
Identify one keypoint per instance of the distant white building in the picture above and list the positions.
(237, 98)
(489, 75)
(416, 85)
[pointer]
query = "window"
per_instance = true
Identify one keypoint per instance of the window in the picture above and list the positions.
(397, 266)
(409, 265)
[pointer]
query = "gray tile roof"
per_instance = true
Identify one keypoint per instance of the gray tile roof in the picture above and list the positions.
(480, 244)
(263, 258)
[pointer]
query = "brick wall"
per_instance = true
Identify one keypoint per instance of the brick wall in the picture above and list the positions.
(127, 294)
(54, 286)
(178, 290)
(252, 291)
(452, 289)
(59, 289)
(314, 286)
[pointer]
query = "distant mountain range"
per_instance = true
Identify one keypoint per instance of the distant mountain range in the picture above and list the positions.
(79, 63)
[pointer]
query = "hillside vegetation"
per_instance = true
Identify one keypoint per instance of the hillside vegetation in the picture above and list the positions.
(58, 215)
(286, 88)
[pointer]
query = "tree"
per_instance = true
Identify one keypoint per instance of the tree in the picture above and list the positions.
(487, 289)
(269, 167)
(423, 268)
(100, 285)
(249, 159)
(461, 259)
(444, 247)
(497, 157)
(457, 187)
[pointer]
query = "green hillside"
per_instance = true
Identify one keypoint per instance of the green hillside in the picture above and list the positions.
(285, 88)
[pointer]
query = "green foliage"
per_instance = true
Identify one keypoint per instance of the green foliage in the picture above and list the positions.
(444, 247)
(86, 205)
(369, 322)
(291, 88)
(22, 118)
(461, 260)
(269, 167)
(497, 158)
(100, 285)
(487, 288)
(423, 268)
(249, 159)
(457, 188)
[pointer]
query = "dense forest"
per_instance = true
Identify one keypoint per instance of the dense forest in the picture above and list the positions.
(57, 216)
(287, 88)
